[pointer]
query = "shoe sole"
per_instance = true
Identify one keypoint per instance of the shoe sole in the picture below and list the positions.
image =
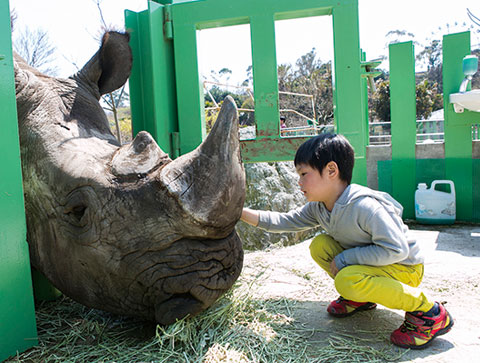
(357, 310)
(438, 333)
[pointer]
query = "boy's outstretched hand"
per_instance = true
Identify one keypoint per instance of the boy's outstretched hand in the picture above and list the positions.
(333, 268)
(250, 216)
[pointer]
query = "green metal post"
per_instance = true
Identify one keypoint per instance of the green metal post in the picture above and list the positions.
(265, 80)
(403, 117)
(17, 313)
(458, 137)
(363, 57)
(191, 114)
(152, 82)
(348, 89)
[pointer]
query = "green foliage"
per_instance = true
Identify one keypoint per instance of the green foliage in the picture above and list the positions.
(219, 94)
(380, 101)
(428, 99)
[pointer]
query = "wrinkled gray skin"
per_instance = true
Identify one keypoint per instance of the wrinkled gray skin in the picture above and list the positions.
(125, 229)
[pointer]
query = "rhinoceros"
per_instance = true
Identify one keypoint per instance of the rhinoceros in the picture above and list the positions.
(124, 228)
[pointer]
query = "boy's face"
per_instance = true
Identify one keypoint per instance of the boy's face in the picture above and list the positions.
(315, 186)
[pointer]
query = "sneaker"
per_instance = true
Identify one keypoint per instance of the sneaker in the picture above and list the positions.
(341, 307)
(419, 329)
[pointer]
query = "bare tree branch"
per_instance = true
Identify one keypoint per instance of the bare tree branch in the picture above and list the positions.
(104, 24)
(13, 18)
(37, 50)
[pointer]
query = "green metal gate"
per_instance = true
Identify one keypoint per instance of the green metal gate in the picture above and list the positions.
(167, 93)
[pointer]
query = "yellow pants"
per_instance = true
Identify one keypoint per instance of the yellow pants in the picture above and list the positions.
(393, 286)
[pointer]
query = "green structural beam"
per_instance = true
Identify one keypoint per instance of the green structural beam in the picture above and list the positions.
(17, 314)
(152, 82)
(458, 126)
(349, 87)
(265, 80)
(403, 118)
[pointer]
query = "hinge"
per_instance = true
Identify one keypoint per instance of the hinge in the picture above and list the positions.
(167, 23)
(369, 72)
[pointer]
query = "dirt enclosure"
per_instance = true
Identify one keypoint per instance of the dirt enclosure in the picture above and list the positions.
(452, 274)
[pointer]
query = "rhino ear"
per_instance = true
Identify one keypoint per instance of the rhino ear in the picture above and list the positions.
(110, 67)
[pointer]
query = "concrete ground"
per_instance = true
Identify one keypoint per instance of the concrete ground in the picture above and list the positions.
(452, 275)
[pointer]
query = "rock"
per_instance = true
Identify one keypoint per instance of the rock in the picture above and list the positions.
(271, 186)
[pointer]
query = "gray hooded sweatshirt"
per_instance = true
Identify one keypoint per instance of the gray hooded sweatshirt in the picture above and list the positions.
(366, 223)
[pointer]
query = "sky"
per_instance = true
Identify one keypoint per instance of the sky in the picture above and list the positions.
(73, 27)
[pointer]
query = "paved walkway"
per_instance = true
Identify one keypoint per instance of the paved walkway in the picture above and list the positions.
(452, 274)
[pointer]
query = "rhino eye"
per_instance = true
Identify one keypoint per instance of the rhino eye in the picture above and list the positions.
(79, 215)
(76, 205)
(78, 212)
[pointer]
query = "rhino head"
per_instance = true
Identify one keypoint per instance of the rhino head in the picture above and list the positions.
(124, 228)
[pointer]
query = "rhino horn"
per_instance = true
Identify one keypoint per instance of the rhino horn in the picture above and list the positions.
(209, 182)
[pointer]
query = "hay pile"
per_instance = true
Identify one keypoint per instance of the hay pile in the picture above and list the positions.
(238, 328)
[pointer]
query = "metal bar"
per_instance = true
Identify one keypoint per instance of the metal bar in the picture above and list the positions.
(403, 114)
(295, 94)
(297, 113)
(349, 111)
(458, 131)
(17, 313)
(211, 97)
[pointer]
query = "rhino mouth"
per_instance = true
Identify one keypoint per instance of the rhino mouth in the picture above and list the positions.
(185, 278)
(177, 307)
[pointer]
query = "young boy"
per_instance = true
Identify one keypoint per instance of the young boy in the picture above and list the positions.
(367, 249)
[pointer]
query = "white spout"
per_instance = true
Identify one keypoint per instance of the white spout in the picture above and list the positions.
(464, 85)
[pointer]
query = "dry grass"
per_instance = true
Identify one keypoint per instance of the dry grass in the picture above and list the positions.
(238, 328)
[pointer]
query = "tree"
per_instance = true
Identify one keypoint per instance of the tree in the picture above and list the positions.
(311, 77)
(380, 110)
(36, 48)
(428, 99)
(431, 56)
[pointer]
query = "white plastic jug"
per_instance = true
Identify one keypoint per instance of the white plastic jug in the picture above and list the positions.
(434, 206)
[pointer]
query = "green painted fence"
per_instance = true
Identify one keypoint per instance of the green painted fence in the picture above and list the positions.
(400, 176)
(17, 316)
(166, 90)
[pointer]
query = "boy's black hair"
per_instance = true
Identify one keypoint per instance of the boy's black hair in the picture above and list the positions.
(320, 150)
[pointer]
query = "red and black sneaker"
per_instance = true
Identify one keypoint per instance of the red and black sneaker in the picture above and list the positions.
(341, 307)
(419, 329)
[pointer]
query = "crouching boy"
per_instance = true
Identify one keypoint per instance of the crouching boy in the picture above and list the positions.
(367, 249)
